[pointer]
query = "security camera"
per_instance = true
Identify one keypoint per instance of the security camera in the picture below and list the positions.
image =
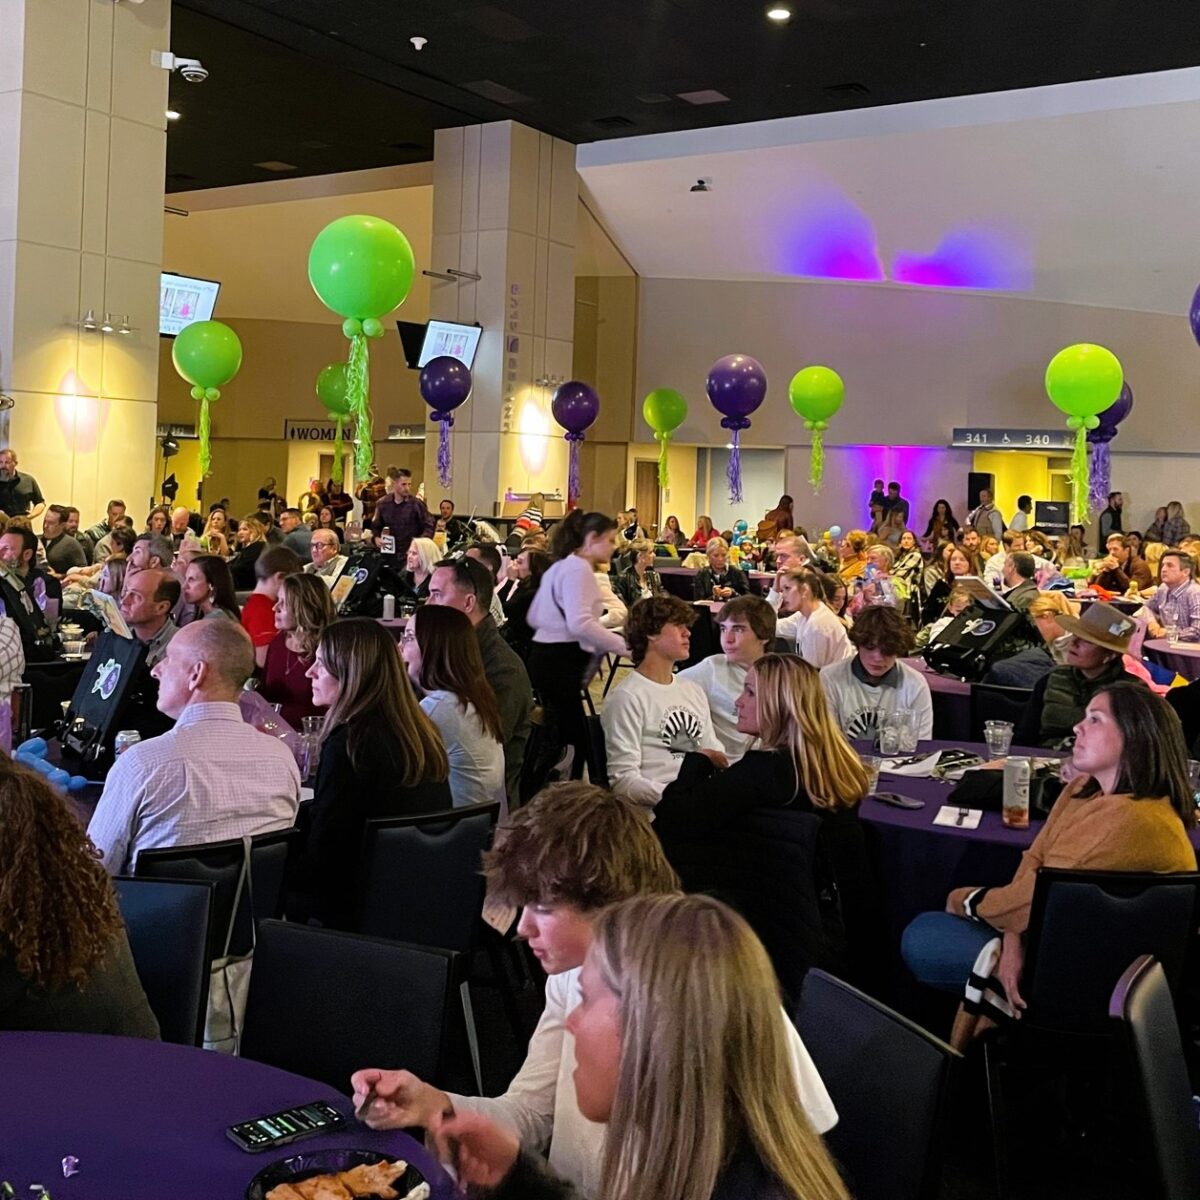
(419, 43)
(192, 69)
(701, 185)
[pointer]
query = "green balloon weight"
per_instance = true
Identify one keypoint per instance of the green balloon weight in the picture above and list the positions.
(331, 390)
(361, 267)
(664, 410)
(1084, 380)
(816, 393)
(207, 354)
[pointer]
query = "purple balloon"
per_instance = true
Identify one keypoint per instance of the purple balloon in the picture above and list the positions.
(1111, 417)
(736, 385)
(1194, 315)
(575, 406)
(445, 383)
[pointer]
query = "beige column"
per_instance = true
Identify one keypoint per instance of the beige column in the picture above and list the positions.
(82, 150)
(504, 208)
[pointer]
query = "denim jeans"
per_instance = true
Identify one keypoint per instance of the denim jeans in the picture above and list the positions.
(940, 949)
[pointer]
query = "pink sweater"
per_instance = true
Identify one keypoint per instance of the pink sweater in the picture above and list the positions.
(567, 608)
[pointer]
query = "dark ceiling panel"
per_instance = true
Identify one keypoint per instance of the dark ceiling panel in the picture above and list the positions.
(334, 85)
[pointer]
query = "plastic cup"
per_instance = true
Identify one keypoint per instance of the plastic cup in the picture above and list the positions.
(311, 726)
(874, 765)
(998, 735)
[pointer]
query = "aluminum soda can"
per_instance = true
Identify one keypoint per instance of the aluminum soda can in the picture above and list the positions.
(125, 739)
(1015, 810)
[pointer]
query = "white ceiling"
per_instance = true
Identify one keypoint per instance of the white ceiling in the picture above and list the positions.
(1084, 193)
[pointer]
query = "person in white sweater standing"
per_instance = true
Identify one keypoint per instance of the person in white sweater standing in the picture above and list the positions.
(747, 626)
(820, 638)
(655, 717)
(565, 617)
(569, 853)
(865, 690)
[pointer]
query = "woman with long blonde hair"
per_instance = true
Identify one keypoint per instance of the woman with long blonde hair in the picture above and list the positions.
(303, 611)
(684, 1057)
(380, 757)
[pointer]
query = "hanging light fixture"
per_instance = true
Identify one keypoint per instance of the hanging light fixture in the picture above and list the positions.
(125, 328)
(106, 326)
(88, 324)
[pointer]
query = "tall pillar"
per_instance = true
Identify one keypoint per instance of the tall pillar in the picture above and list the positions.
(504, 207)
(82, 153)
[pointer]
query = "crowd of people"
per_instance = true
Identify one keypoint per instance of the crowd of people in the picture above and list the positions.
(482, 700)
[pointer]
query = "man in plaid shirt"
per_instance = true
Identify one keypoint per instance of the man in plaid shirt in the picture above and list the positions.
(1177, 601)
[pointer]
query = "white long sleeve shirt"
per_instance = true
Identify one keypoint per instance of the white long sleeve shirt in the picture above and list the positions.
(820, 638)
(721, 681)
(615, 613)
(648, 728)
(860, 708)
(540, 1106)
(567, 608)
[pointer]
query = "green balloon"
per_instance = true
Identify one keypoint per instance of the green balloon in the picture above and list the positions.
(331, 390)
(1084, 380)
(664, 410)
(816, 393)
(207, 354)
(361, 267)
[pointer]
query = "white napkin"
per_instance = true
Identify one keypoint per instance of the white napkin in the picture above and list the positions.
(960, 818)
(902, 764)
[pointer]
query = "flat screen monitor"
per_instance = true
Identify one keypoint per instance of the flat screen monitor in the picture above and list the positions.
(182, 300)
(1052, 515)
(412, 338)
(447, 338)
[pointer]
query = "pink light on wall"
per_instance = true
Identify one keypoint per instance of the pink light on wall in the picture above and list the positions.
(830, 238)
(969, 257)
(920, 471)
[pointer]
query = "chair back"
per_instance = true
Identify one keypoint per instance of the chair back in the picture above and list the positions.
(220, 863)
(991, 702)
(1138, 636)
(770, 869)
(421, 880)
(1085, 927)
(169, 923)
(1142, 1000)
(598, 761)
(888, 1080)
(322, 1004)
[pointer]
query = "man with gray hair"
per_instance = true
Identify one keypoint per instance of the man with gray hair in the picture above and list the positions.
(189, 786)
(327, 559)
(151, 551)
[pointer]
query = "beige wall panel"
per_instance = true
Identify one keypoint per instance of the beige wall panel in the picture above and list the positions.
(491, 308)
(93, 269)
(446, 214)
(100, 56)
(8, 272)
(51, 183)
(494, 184)
(139, 87)
(131, 361)
(135, 212)
(560, 291)
(564, 194)
(42, 430)
(10, 144)
(469, 200)
(545, 177)
(45, 317)
(12, 21)
(521, 269)
(56, 48)
(541, 271)
(94, 229)
(523, 178)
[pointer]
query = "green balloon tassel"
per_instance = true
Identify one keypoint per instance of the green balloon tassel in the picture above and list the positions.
(357, 386)
(1080, 479)
(204, 431)
(664, 480)
(336, 474)
(816, 461)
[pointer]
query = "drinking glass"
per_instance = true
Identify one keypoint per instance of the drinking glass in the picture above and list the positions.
(889, 738)
(998, 735)
(311, 726)
(873, 765)
(307, 748)
(907, 732)
(1171, 632)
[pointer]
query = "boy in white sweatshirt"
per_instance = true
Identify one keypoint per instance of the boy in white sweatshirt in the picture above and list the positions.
(571, 851)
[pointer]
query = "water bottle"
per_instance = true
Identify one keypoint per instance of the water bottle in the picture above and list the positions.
(389, 607)
(1015, 810)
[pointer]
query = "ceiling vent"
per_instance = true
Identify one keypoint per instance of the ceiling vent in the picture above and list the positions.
(707, 96)
(613, 123)
(847, 93)
(489, 89)
(653, 98)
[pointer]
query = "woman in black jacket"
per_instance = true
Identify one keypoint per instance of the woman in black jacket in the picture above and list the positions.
(530, 565)
(684, 1056)
(380, 757)
(719, 581)
(639, 581)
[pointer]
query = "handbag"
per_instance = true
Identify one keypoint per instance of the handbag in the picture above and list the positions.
(984, 789)
(229, 979)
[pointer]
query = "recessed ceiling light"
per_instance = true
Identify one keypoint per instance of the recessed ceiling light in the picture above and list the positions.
(779, 13)
(172, 115)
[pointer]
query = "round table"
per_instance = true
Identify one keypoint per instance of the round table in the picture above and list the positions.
(147, 1120)
(1181, 657)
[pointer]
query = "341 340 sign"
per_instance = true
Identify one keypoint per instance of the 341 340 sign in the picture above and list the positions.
(1013, 439)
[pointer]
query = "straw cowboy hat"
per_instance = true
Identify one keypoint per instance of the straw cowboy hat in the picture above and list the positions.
(1101, 625)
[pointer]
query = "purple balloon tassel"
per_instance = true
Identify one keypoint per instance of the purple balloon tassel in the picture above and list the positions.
(733, 470)
(573, 488)
(1101, 476)
(444, 420)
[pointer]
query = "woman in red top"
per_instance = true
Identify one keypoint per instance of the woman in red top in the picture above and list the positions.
(302, 612)
(258, 613)
(704, 532)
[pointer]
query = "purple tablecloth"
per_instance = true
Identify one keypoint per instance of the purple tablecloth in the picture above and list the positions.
(147, 1120)
(1182, 659)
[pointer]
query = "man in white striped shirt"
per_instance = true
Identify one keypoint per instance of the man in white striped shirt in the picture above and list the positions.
(210, 778)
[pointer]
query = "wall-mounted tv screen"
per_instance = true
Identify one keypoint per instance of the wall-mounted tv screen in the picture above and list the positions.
(182, 300)
(447, 338)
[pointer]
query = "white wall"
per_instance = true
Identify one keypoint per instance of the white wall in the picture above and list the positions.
(1151, 480)
(762, 485)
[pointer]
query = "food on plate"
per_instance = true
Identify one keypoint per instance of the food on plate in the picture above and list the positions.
(369, 1179)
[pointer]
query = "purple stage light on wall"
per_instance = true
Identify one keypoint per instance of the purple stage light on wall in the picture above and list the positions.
(829, 238)
(969, 257)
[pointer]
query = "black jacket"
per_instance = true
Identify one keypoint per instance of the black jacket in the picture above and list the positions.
(707, 579)
(629, 588)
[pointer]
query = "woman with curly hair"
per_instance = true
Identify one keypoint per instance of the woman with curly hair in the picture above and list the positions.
(65, 964)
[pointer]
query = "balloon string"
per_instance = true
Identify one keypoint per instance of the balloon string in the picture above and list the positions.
(336, 474)
(205, 447)
(733, 470)
(444, 420)
(816, 463)
(357, 391)
(663, 478)
(1079, 479)
(1101, 475)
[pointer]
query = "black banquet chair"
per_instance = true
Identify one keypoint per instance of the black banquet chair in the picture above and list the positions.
(889, 1081)
(992, 702)
(1142, 1002)
(323, 1004)
(169, 924)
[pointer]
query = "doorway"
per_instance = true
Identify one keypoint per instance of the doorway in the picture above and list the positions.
(645, 493)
